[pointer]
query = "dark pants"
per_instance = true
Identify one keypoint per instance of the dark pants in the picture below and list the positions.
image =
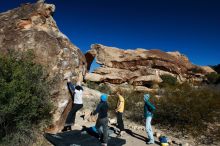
(104, 124)
(70, 120)
(120, 121)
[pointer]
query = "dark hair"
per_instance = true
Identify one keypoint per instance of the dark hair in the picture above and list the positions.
(78, 87)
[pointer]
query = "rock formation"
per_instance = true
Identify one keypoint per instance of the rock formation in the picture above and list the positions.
(140, 67)
(32, 27)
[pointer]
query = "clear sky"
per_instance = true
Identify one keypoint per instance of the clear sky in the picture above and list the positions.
(189, 26)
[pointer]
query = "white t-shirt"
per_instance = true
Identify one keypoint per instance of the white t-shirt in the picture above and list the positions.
(78, 96)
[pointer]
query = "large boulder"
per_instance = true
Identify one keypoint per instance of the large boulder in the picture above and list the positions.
(140, 67)
(32, 27)
(208, 69)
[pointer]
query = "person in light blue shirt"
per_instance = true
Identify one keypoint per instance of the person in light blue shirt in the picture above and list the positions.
(148, 114)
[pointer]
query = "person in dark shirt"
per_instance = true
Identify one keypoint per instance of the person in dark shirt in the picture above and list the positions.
(102, 121)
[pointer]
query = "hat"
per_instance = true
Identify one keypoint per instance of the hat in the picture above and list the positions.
(104, 97)
(146, 97)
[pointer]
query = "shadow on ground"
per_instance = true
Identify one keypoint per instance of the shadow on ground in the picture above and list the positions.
(138, 136)
(79, 138)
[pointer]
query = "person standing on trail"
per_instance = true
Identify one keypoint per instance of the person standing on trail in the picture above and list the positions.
(119, 111)
(77, 103)
(148, 114)
(102, 121)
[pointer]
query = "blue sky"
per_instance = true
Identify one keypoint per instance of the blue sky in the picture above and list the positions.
(189, 26)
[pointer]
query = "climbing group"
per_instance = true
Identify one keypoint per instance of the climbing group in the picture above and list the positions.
(101, 126)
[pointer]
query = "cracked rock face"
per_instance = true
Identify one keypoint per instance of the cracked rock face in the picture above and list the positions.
(139, 67)
(31, 26)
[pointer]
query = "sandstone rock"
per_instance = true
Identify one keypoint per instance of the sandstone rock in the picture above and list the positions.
(144, 89)
(112, 121)
(94, 77)
(185, 144)
(136, 127)
(32, 27)
(157, 134)
(67, 74)
(130, 59)
(143, 80)
(208, 69)
(170, 142)
(91, 94)
(176, 141)
(92, 119)
(86, 113)
(140, 67)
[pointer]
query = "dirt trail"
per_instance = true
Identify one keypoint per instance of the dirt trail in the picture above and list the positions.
(70, 138)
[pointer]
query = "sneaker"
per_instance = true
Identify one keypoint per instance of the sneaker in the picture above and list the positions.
(150, 142)
(104, 144)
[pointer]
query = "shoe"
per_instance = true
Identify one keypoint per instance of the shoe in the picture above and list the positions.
(66, 128)
(150, 142)
(104, 144)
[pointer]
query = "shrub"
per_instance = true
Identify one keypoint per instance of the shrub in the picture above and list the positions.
(23, 98)
(190, 110)
(102, 87)
(168, 80)
(133, 105)
(213, 78)
(181, 108)
(92, 85)
(196, 70)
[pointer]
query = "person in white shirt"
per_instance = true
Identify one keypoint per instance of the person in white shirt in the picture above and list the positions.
(76, 95)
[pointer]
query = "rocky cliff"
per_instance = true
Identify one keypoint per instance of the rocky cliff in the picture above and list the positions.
(140, 67)
(32, 27)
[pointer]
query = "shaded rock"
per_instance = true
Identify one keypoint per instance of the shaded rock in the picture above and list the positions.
(80, 138)
(32, 27)
(148, 81)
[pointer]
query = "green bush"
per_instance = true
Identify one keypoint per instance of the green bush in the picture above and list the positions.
(23, 98)
(196, 70)
(133, 105)
(168, 80)
(190, 110)
(133, 101)
(92, 85)
(213, 78)
(181, 108)
(102, 87)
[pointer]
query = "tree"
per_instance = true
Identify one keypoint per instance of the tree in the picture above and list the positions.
(23, 96)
